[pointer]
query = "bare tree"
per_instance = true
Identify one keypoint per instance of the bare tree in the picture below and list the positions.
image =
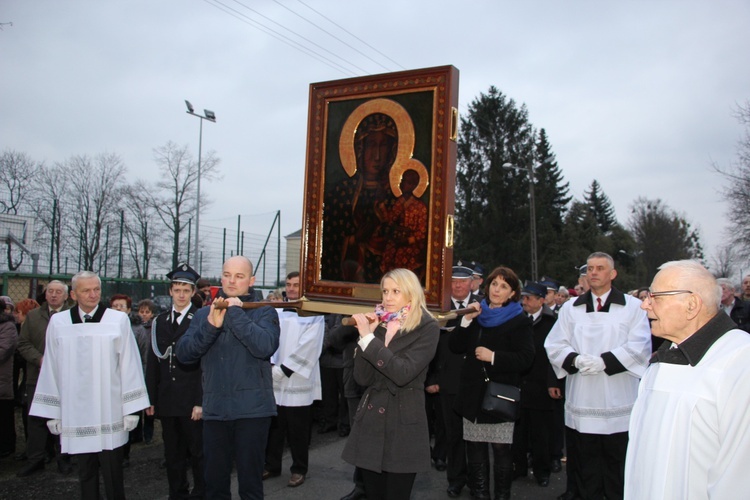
(93, 193)
(142, 226)
(737, 187)
(725, 261)
(47, 198)
(175, 200)
(17, 171)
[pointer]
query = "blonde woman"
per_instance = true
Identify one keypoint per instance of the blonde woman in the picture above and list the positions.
(389, 441)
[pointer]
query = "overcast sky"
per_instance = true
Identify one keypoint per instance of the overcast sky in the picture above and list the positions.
(639, 95)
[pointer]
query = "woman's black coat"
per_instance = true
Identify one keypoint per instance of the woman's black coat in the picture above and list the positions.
(513, 345)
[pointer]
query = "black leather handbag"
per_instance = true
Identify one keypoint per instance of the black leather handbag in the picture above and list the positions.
(501, 401)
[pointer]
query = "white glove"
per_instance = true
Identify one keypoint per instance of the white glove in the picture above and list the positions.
(591, 365)
(277, 373)
(580, 361)
(130, 422)
(55, 426)
(594, 365)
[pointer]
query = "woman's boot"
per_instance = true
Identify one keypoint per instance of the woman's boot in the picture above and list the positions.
(503, 470)
(479, 480)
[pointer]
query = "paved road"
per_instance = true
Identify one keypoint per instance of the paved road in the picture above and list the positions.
(329, 478)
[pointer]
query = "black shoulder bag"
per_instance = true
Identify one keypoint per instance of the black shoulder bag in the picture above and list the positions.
(501, 401)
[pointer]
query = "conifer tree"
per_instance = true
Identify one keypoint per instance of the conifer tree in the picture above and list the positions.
(600, 206)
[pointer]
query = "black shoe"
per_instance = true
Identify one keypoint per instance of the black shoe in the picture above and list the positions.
(556, 465)
(543, 481)
(520, 473)
(31, 469)
(356, 494)
(64, 467)
(326, 428)
(454, 490)
(267, 474)
(568, 495)
(6, 453)
(344, 431)
(20, 456)
(440, 464)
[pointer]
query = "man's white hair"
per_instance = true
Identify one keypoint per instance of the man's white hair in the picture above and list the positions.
(725, 282)
(695, 277)
(82, 275)
(57, 282)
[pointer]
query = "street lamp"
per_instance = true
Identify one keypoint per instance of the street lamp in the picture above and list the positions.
(532, 215)
(210, 116)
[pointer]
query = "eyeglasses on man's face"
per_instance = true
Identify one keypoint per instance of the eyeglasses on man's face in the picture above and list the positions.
(665, 293)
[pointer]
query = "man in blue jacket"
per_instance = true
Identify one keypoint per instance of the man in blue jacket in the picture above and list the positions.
(234, 346)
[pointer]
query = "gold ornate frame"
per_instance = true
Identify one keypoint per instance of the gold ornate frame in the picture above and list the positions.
(423, 106)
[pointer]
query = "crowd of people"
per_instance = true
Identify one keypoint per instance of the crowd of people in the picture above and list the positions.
(641, 394)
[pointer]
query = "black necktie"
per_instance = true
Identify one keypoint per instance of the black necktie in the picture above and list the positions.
(87, 318)
(460, 304)
(175, 324)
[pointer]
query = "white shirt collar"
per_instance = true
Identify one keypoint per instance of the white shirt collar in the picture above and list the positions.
(92, 313)
(183, 313)
(603, 296)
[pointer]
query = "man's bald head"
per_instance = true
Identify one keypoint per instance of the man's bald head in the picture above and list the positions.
(237, 276)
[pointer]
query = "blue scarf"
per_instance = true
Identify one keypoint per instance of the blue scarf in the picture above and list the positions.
(499, 315)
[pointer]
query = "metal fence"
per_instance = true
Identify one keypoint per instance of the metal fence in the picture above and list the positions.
(46, 234)
(19, 286)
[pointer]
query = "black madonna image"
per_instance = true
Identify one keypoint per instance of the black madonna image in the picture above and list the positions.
(375, 210)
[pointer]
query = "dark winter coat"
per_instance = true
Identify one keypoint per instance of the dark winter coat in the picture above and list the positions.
(174, 388)
(445, 369)
(32, 338)
(536, 381)
(390, 427)
(8, 341)
(513, 345)
(235, 359)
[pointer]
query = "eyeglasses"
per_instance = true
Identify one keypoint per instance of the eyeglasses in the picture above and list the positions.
(651, 294)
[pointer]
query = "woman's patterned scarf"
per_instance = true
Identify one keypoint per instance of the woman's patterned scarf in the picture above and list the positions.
(393, 320)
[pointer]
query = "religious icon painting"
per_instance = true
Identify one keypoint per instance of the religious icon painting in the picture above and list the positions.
(380, 184)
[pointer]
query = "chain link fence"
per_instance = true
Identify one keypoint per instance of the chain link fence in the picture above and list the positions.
(45, 241)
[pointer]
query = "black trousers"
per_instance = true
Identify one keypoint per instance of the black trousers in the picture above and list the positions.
(7, 426)
(109, 462)
(333, 408)
(557, 437)
(600, 471)
(183, 438)
(388, 485)
(243, 441)
(455, 444)
(532, 432)
(39, 439)
(292, 423)
(434, 410)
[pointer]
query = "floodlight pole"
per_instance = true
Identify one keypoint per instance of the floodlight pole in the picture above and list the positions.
(210, 116)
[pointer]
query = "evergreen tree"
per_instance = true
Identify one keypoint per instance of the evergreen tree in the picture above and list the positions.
(492, 211)
(600, 206)
(551, 204)
(662, 234)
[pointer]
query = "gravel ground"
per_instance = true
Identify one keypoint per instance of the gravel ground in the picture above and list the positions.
(144, 478)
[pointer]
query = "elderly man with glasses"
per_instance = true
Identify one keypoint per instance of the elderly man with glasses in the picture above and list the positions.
(690, 428)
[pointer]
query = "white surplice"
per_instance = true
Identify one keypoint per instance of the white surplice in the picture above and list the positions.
(690, 427)
(601, 403)
(91, 377)
(299, 350)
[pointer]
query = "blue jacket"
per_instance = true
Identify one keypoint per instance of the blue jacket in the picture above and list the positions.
(237, 379)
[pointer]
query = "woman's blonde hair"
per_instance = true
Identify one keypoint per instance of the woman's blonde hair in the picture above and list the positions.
(409, 284)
